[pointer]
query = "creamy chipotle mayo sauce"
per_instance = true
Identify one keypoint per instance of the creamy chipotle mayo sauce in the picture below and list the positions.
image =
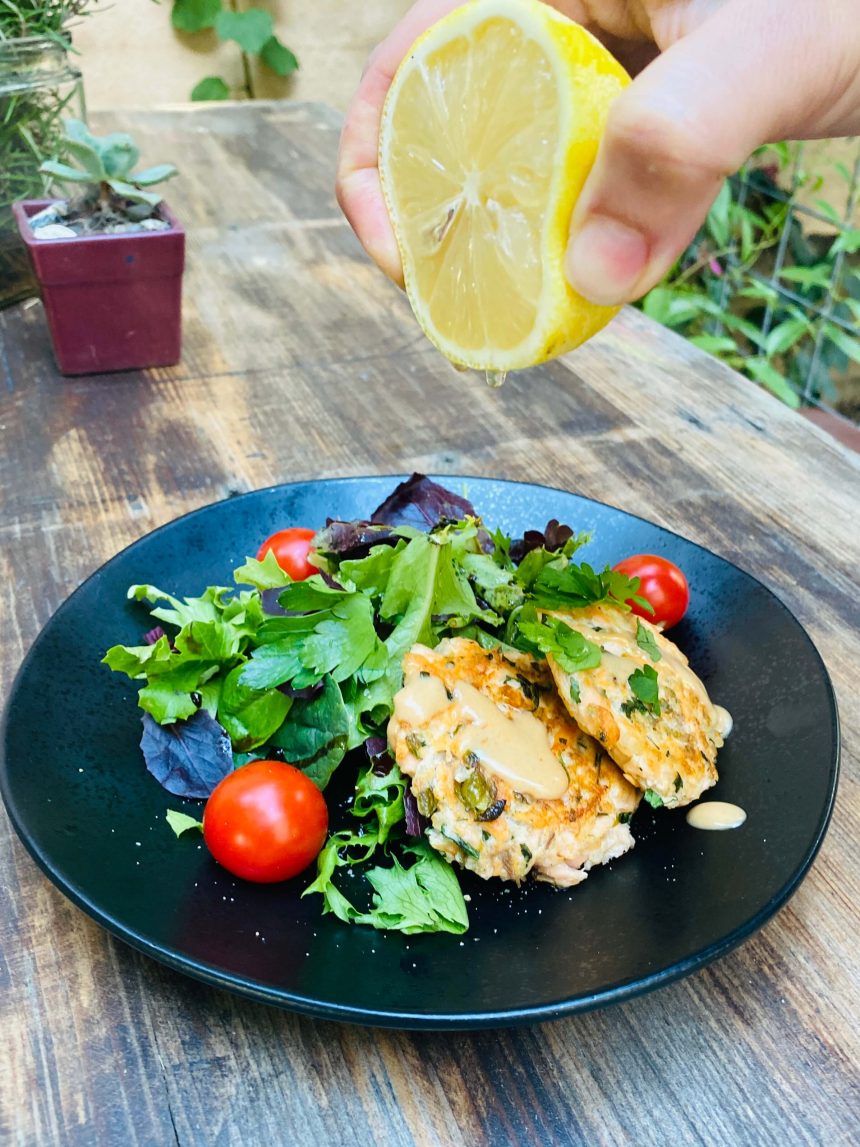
(512, 744)
(716, 816)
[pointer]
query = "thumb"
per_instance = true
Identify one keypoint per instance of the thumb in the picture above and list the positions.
(689, 120)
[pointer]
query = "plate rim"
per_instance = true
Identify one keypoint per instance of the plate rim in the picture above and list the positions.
(400, 1019)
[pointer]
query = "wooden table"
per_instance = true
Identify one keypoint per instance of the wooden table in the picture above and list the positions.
(301, 360)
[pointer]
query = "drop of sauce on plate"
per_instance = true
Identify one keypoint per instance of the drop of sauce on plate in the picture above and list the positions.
(724, 721)
(716, 816)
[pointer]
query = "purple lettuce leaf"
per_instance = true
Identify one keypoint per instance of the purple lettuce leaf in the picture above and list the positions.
(188, 757)
(353, 540)
(423, 504)
(378, 755)
(269, 601)
(553, 536)
(307, 693)
(418, 502)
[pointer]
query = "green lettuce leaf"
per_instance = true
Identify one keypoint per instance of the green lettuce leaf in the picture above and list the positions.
(454, 602)
(218, 603)
(136, 661)
(425, 897)
(336, 640)
(382, 798)
(250, 716)
(265, 574)
(182, 676)
(408, 604)
(370, 575)
(495, 583)
(166, 703)
(315, 736)
(181, 822)
(533, 565)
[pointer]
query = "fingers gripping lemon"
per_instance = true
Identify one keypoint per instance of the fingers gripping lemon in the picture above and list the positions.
(489, 129)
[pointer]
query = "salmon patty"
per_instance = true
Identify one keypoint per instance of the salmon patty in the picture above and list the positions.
(510, 783)
(666, 742)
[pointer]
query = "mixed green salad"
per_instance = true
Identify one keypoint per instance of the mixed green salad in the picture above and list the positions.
(305, 672)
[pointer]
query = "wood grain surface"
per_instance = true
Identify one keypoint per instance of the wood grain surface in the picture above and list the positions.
(302, 361)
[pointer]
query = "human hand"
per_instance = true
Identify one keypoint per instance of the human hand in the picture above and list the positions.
(727, 76)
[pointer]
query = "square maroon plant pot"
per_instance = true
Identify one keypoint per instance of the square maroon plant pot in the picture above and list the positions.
(114, 302)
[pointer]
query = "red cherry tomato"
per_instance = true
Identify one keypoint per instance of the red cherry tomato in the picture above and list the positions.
(662, 584)
(291, 548)
(265, 822)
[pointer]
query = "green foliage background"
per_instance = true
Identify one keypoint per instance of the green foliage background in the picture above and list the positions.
(778, 304)
(251, 29)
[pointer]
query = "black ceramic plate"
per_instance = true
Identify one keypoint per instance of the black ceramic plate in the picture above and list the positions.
(92, 817)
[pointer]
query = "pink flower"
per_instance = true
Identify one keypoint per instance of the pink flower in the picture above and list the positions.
(715, 267)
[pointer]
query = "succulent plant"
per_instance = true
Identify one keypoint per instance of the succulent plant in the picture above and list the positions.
(106, 163)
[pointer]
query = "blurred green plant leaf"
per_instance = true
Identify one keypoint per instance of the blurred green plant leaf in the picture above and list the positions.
(843, 171)
(278, 57)
(849, 346)
(718, 217)
(119, 154)
(129, 191)
(848, 241)
(830, 211)
(715, 344)
(784, 336)
(251, 29)
(767, 374)
(155, 174)
(194, 15)
(762, 292)
(755, 262)
(817, 276)
(210, 88)
(64, 173)
(88, 158)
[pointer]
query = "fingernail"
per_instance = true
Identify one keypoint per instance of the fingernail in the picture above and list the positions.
(605, 259)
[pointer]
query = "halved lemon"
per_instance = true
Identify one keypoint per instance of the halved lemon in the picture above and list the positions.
(489, 130)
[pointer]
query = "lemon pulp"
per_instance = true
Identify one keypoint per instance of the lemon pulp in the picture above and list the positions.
(489, 130)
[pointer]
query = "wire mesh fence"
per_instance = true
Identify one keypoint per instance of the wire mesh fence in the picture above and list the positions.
(771, 284)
